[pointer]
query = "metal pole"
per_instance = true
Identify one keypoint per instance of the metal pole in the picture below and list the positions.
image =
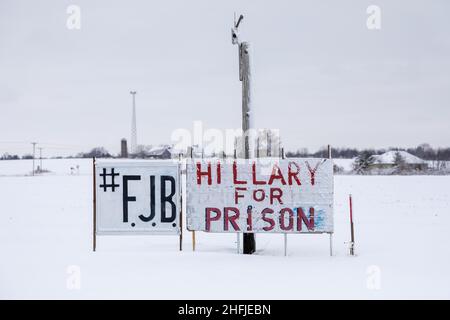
(257, 146)
(181, 200)
(331, 244)
(331, 234)
(285, 244)
(238, 236)
(352, 232)
(285, 235)
(40, 158)
(191, 155)
(238, 242)
(34, 152)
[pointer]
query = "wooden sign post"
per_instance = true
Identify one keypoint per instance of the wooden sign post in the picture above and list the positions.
(94, 215)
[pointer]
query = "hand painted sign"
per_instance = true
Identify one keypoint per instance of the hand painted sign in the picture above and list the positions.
(137, 197)
(284, 196)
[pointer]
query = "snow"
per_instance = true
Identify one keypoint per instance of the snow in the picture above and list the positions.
(57, 166)
(402, 230)
(389, 157)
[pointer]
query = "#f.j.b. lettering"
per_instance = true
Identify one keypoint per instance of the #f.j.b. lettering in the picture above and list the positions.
(166, 197)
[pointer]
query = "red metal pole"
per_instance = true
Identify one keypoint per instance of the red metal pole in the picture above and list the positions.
(352, 243)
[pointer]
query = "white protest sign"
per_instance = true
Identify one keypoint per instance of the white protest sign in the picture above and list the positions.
(137, 197)
(283, 196)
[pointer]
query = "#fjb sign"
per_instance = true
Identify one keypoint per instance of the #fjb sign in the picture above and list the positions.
(283, 196)
(134, 197)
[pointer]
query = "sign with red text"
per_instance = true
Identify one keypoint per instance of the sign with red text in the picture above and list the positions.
(137, 197)
(260, 195)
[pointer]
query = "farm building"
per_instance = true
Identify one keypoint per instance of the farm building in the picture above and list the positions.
(393, 159)
(153, 152)
(160, 152)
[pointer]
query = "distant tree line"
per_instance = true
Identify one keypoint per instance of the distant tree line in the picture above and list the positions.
(423, 151)
(7, 156)
(98, 152)
(426, 152)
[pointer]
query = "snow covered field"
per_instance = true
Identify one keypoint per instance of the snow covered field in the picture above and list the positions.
(402, 242)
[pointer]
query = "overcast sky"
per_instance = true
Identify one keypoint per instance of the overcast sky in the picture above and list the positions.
(321, 76)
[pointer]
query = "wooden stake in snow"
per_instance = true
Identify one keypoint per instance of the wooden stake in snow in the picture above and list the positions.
(352, 232)
(94, 201)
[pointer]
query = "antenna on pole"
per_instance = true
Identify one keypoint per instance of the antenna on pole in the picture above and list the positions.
(234, 30)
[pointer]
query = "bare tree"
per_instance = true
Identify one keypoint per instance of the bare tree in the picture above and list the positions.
(363, 162)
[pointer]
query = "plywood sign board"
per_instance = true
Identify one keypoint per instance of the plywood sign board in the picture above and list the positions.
(272, 196)
(137, 197)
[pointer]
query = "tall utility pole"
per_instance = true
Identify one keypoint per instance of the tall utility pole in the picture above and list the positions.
(133, 142)
(34, 153)
(249, 245)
